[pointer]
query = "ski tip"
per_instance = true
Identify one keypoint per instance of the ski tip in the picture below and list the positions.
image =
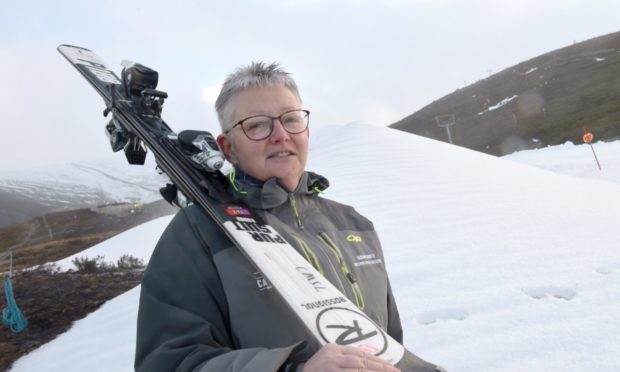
(69, 46)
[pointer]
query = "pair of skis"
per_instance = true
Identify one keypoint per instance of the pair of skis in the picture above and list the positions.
(191, 159)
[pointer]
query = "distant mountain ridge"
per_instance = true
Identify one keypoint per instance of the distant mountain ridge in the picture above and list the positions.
(546, 100)
(29, 193)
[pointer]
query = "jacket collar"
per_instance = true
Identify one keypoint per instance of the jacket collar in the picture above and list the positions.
(271, 193)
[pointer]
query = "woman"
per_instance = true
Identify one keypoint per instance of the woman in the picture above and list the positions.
(203, 306)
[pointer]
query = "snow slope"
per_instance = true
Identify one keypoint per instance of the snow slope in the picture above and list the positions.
(495, 265)
(86, 183)
(576, 160)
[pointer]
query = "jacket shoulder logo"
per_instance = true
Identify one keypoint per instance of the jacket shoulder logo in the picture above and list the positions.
(354, 238)
(261, 281)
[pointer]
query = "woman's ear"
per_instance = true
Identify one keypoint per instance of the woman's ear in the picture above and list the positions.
(227, 148)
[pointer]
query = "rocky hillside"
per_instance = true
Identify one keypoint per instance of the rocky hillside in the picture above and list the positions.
(546, 100)
(56, 235)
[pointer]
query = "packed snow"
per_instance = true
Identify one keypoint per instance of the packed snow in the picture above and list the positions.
(499, 104)
(496, 265)
(576, 160)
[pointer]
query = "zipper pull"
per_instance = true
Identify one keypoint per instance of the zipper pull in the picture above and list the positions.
(351, 278)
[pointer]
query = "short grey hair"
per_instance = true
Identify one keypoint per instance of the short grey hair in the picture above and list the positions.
(255, 74)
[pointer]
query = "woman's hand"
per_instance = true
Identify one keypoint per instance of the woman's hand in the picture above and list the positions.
(336, 358)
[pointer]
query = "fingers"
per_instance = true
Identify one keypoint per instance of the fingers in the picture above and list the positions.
(333, 357)
(355, 358)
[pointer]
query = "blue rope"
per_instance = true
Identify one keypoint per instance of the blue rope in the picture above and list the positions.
(11, 315)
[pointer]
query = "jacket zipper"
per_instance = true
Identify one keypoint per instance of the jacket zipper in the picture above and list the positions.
(293, 201)
(310, 255)
(355, 287)
(308, 252)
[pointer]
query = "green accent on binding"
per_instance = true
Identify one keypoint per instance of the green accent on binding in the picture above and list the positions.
(232, 177)
(310, 255)
(357, 292)
(317, 190)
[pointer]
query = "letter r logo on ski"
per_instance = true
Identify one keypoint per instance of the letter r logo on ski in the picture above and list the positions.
(349, 327)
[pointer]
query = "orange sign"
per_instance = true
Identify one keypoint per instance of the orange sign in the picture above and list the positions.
(588, 137)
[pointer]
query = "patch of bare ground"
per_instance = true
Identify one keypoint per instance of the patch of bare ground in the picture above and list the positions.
(51, 301)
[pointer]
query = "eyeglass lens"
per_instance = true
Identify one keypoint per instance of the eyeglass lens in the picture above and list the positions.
(261, 127)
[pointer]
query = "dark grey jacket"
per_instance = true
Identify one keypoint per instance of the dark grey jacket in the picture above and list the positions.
(204, 307)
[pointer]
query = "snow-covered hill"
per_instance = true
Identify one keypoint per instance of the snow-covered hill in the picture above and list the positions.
(495, 265)
(75, 185)
(111, 179)
(576, 160)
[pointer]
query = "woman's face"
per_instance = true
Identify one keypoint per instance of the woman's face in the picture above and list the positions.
(281, 155)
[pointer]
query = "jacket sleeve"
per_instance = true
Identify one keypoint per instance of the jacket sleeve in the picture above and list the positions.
(183, 320)
(394, 327)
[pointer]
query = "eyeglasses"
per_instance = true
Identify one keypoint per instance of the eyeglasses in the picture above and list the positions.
(259, 127)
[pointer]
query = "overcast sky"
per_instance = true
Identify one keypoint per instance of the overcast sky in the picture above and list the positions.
(368, 61)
